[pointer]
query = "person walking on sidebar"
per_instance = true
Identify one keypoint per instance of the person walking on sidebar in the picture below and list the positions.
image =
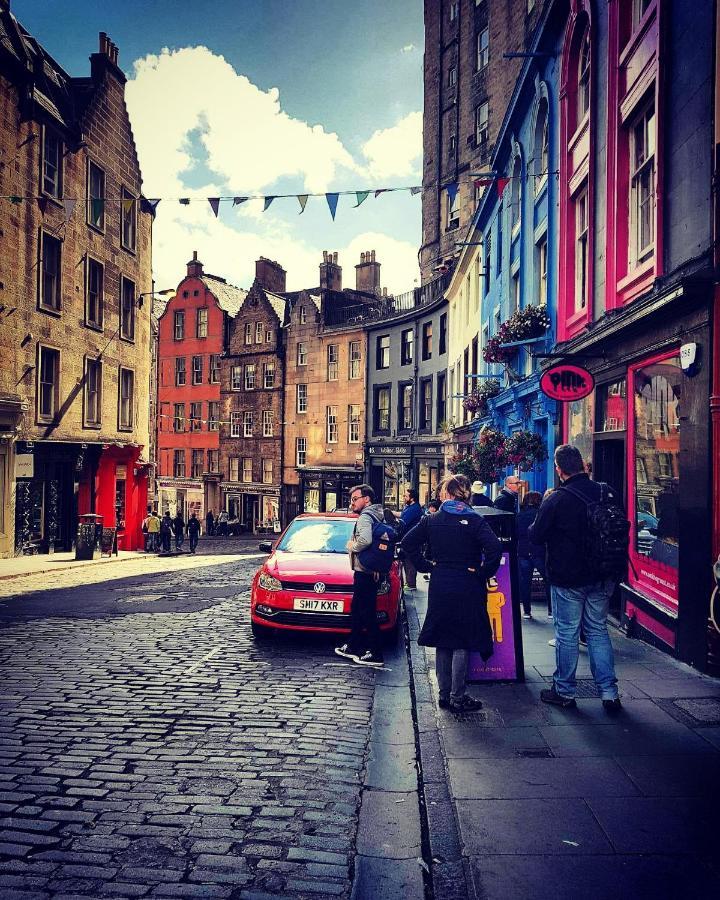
(461, 550)
(193, 530)
(507, 499)
(410, 516)
(179, 530)
(166, 530)
(530, 556)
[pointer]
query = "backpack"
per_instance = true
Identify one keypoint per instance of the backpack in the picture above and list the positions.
(379, 556)
(607, 536)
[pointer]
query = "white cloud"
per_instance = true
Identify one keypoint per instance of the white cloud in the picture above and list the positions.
(408, 48)
(396, 151)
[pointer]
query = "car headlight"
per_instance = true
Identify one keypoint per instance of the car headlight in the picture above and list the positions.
(268, 583)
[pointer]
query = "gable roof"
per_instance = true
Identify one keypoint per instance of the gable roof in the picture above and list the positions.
(278, 304)
(229, 297)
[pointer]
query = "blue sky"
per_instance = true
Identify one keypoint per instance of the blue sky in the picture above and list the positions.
(264, 97)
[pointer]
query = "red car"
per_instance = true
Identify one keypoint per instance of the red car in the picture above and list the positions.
(306, 582)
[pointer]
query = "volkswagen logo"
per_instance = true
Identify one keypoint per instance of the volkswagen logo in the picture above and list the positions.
(319, 587)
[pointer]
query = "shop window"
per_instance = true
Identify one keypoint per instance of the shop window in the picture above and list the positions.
(354, 360)
(267, 423)
(213, 416)
(96, 196)
(396, 480)
(127, 399)
(382, 409)
(94, 294)
(178, 417)
(248, 333)
(301, 396)
(179, 463)
(214, 368)
(268, 375)
(236, 375)
(120, 489)
(201, 323)
(52, 158)
(611, 406)
(426, 404)
(405, 417)
(234, 468)
(179, 371)
(427, 334)
(354, 423)
(235, 424)
(250, 377)
(332, 362)
(580, 426)
(247, 424)
(127, 309)
(93, 392)
(267, 471)
(197, 369)
(179, 325)
(382, 351)
(300, 451)
(197, 466)
(128, 220)
(247, 473)
(196, 416)
(50, 267)
(407, 340)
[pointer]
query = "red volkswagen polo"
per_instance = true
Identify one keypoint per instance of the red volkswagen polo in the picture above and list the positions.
(306, 582)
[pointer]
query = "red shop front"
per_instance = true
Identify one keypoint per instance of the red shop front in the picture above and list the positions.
(121, 493)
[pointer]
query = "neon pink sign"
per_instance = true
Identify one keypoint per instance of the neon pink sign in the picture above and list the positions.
(566, 382)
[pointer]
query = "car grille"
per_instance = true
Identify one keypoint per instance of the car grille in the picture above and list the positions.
(309, 620)
(307, 586)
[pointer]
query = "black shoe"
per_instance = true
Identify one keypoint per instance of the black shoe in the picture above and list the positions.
(346, 651)
(551, 696)
(370, 659)
(443, 703)
(467, 704)
(612, 706)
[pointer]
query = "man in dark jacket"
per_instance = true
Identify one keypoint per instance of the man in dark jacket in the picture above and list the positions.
(578, 597)
(179, 530)
(507, 499)
(409, 517)
(193, 530)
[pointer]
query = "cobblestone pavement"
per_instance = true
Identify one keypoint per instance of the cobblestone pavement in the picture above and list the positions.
(148, 748)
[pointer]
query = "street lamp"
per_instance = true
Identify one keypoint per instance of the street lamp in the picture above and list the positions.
(139, 301)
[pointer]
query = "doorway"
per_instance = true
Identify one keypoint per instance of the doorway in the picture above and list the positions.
(609, 466)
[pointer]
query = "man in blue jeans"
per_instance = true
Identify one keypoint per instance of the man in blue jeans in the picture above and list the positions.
(577, 596)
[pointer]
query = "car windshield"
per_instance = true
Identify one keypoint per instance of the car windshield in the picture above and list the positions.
(317, 536)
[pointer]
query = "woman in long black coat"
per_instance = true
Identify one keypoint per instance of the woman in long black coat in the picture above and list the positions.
(461, 550)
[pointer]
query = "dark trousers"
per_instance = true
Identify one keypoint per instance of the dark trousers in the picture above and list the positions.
(165, 538)
(526, 565)
(410, 574)
(193, 540)
(363, 614)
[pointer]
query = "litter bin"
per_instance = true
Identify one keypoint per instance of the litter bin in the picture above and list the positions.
(87, 541)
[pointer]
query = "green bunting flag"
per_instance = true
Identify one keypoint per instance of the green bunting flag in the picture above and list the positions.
(302, 200)
(16, 200)
(361, 197)
(332, 202)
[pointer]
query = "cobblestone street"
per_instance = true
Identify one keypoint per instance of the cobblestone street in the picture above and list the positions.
(148, 747)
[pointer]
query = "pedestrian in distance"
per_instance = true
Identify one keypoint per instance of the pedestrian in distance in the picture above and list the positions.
(209, 523)
(530, 556)
(507, 499)
(221, 526)
(478, 496)
(166, 530)
(410, 516)
(364, 643)
(193, 530)
(584, 528)
(179, 530)
(433, 505)
(151, 527)
(458, 546)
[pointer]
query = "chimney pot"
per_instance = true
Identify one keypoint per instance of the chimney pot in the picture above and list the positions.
(372, 256)
(335, 258)
(362, 258)
(194, 255)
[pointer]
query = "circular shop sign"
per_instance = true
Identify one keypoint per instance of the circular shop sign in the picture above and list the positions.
(566, 382)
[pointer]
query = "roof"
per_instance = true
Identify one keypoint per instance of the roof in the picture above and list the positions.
(278, 304)
(229, 297)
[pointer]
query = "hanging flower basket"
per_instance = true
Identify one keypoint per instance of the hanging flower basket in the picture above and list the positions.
(525, 449)
(524, 325)
(476, 403)
(485, 461)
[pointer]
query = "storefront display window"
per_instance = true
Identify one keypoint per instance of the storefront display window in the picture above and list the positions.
(612, 406)
(396, 480)
(580, 426)
(655, 465)
(428, 479)
(311, 502)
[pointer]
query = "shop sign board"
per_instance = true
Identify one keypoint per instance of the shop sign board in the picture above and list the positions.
(566, 382)
(388, 450)
(24, 465)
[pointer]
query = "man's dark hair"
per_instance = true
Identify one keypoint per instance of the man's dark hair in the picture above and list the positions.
(413, 494)
(365, 491)
(569, 459)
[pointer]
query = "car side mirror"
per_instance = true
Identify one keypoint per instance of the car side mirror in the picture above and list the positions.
(266, 546)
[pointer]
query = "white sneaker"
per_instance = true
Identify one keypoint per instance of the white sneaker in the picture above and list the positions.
(552, 642)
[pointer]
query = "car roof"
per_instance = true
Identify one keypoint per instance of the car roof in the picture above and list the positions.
(327, 515)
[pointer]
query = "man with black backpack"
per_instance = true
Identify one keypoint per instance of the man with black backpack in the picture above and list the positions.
(584, 528)
(372, 550)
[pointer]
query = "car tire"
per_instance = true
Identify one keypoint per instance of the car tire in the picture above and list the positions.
(261, 632)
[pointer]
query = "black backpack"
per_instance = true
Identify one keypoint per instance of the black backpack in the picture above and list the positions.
(607, 536)
(379, 556)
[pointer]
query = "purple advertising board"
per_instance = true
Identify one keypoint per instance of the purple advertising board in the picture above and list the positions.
(502, 665)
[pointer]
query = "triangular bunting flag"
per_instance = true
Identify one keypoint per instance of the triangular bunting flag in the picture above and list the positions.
(381, 191)
(361, 197)
(153, 204)
(42, 203)
(97, 207)
(332, 202)
(452, 190)
(502, 183)
(214, 204)
(69, 207)
(483, 182)
(302, 200)
(127, 204)
(184, 201)
(415, 190)
(16, 200)
(268, 201)
(238, 200)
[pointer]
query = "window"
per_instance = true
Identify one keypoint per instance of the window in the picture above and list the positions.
(127, 309)
(382, 409)
(441, 398)
(197, 463)
(405, 412)
(213, 461)
(611, 406)
(250, 377)
(52, 156)
(127, 399)
(248, 424)
(332, 362)
(93, 392)
(201, 323)
(234, 468)
(301, 353)
(197, 369)
(426, 404)
(515, 293)
(247, 469)
(541, 148)
(179, 463)
(50, 257)
(303, 316)
(331, 424)
(179, 325)
(48, 383)
(178, 417)
(300, 451)
(302, 396)
(259, 332)
(196, 416)
(483, 49)
(541, 263)
(213, 416)
(382, 351)
(214, 368)
(481, 126)
(583, 88)
(454, 10)
(452, 210)
(267, 471)
(581, 249)
(96, 197)
(427, 341)
(269, 375)
(452, 76)
(236, 378)
(639, 8)
(267, 423)
(94, 294)
(452, 144)
(179, 371)
(642, 186)
(487, 264)
(354, 424)
(442, 341)
(128, 220)
(516, 195)
(354, 360)
(269, 336)
(235, 420)
(248, 333)
(407, 339)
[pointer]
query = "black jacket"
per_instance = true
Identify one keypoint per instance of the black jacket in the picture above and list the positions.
(480, 500)
(462, 552)
(507, 501)
(525, 548)
(561, 525)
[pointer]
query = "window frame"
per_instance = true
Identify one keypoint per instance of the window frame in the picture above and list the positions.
(248, 333)
(333, 362)
(213, 415)
(300, 450)
(301, 353)
(268, 369)
(247, 470)
(637, 255)
(180, 370)
(332, 431)
(201, 322)
(98, 225)
(379, 389)
(42, 417)
(267, 471)
(301, 398)
(407, 345)
(55, 306)
(178, 418)
(235, 424)
(268, 424)
(382, 352)
(259, 333)
(57, 181)
(406, 411)
(248, 423)
(179, 320)
(214, 369)
(482, 49)
(354, 423)
(196, 415)
(92, 264)
(194, 473)
(129, 423)
(88, 421)
(250, 380)
(427, 336)
(128, 226)
(236, 378)
(581, 200)
(127, 309)
(179, 455)
(425, 409)
(197, 371)
(352, 360)
(234, 469)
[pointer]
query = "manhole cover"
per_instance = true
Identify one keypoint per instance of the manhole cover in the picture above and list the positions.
(585, 689)
(534, 753)
(704, 709)
(472, 718)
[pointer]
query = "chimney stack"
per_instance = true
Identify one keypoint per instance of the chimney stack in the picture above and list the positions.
(367, 274)
(270, 275)
(194, 267)
(105, 60)
(330, 272)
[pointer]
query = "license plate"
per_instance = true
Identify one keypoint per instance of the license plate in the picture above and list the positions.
(316, 604)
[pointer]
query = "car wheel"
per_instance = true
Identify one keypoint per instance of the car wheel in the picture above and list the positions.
(261, 632)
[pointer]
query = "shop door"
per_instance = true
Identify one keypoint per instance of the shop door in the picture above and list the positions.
(609, 466)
